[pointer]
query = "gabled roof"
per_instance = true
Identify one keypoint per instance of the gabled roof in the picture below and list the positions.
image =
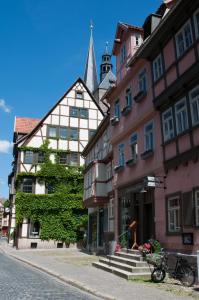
(25, 125)
(28, 136)
(123, 27)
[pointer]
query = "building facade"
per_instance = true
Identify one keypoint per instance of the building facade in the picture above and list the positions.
(98, 187)
(154, 126)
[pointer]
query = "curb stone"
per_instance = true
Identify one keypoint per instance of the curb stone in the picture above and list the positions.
(64, 279)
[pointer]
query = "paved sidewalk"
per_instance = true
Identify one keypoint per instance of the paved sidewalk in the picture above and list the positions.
(74, 267)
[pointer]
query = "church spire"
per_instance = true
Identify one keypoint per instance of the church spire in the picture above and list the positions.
(90, 75)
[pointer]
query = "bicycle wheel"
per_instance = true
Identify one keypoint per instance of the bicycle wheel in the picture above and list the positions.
(188, 276)
(158, 275)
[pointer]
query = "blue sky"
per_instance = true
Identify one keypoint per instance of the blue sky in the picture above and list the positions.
(43, 50)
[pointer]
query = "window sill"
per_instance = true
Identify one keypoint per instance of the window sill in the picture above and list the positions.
(118, 169)
(114, 121)
(126, 110)
(140, 96)
(131, 162)
(147, 154)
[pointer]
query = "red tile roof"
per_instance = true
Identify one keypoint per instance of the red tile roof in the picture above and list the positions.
(25, 125)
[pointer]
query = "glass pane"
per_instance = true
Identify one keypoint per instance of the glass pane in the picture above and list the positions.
(41, 157)
(63, 158)
(74, 111)
(83, 113)
(74, 134)
(52, 132)
(28, 158)
(27, 185)
(79, 95)
(74, 158)
(63, 133)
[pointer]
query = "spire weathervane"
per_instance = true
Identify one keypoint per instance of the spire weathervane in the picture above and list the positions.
(91, 27)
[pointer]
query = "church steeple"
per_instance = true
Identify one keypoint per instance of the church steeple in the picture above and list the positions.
(90, 75)
(106, 64)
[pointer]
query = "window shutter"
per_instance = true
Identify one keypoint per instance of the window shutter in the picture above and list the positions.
(187, 209)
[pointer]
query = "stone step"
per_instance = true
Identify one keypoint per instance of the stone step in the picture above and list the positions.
(124, 266)
(137, 257)
(131, 251)
(131, 262)
(122, 273)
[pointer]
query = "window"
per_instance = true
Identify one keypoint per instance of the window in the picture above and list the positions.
(142, 81)
(128, 97)
(49, 188)
(181, 116)
(157, 68)
(91, 133)
(149, 136)
(174, 214)
(34, 229)
(79, 112)
(138, 39)
(73, 134)
(117, 109)
(184, 39)
(121, 155)
(134, 146)
(52, 131)
(74, 159)
(83, 113)
(63, 133)
(79, 95)
(74, 111)
(123, 54)
(40, 157)
(194, 103)
(27, 186)
(111, 208)
(28, 157)
(167, 124)
(63, 158)
(197, 207)
(196, 21)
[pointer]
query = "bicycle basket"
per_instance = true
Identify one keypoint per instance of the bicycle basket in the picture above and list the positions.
(154, 259)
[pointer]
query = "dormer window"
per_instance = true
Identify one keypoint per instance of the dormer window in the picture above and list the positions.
(79, 94)
(138, 40)
(123, 54)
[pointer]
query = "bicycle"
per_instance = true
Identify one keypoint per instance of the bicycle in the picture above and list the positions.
(182, 271)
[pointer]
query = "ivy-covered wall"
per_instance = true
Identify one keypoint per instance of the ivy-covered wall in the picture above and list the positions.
(61, 213)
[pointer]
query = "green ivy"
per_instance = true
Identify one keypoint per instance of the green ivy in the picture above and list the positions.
(60, 214)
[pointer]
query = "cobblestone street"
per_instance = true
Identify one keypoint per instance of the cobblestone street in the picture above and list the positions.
(20, 282)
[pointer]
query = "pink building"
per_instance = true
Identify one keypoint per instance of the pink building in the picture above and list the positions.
(154, 126)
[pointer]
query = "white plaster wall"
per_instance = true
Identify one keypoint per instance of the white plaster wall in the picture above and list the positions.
(64, 101)
(55, 111)
(83, 134)
(24, 230)
(39, 188)
(64, 110)
(93, 124)
(63, 145)
(79, 103)
(36, 142)
(86, 104)
(52, 144)
(64, 121)
(83, 123)
(71, 93)
(81, 161)
(44, 129)
(92, 105)
(55, 120)
(52, 157)
(71, 102)
(48, 120)
(92, 114)
(73, 145)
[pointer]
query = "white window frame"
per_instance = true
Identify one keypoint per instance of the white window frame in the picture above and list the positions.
(33, 234)
(166, 123)
(180, 112)
(121, 155)
(197, 207)
(149, 134)
(142, 81)
(134, 145)
(157, 67)
(183, 34)
(195, 23)
(194, 104)
(173, 226)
